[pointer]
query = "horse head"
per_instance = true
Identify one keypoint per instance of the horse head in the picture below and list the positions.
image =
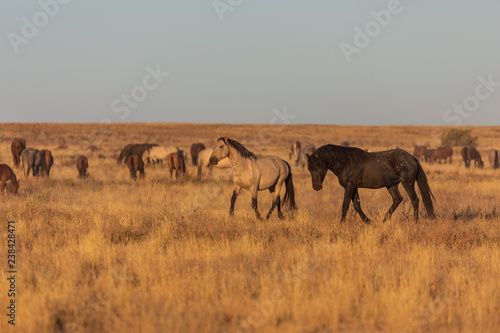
(317, 169)
(221, 151)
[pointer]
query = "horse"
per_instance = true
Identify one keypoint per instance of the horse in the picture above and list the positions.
(418, 152)
(16, 147)
(135, 163)
(176, 162)
(255, 174)
(196, 148)
(356, 168)
(302, 159)
(470, 153)
(295, 150)
(430, 155)
(158, 153)
(6, 174)
(204, 165)
(47, 162)
(32, 160)
(494, 158)
(444, 153)
(82, 164)
(136, 148)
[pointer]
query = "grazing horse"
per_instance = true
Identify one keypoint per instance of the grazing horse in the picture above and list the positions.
(356, 168)
(82, 164)
(176, 162)
(295, 150)
(444, 153)
(255, 174)
(138, 148)
(204, 165)
(494, 158)
(430, 155)
(6, 174)
(418, 152)
(302, 159)
(135, 163)
(196, 148)
(16, 147)
(47, 162)
(470, 153)
(158, 154)
(32, 160)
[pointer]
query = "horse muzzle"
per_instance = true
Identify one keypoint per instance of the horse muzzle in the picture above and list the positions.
(213, 161)
(317, 187)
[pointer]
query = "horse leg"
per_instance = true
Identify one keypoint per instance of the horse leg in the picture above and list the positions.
(410, 189)
(254, 191)
(357, 206)
(236, 191)
(397, 198)
(348, 196)
(276, 200)
(2, 186)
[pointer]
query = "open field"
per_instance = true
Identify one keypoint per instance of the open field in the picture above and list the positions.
(108, 254)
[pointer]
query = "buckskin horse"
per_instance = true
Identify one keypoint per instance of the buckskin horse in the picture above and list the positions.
(356, 168)
(255, 174)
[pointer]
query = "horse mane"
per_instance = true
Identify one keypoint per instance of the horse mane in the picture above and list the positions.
(239, 148)
(342, 156)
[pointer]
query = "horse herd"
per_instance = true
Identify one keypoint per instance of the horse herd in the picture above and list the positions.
(355, 168)
(468, 153)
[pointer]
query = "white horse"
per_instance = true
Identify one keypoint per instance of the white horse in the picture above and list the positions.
(204, 165)
(295, 150)
(158, 153)
(255, 174)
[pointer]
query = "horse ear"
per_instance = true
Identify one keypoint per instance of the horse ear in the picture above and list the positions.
(307, 155)
(226, 137)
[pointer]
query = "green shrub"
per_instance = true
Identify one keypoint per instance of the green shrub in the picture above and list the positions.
(458, 137)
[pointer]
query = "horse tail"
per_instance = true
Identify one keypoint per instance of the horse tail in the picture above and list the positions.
(290, 191)
(425, 191)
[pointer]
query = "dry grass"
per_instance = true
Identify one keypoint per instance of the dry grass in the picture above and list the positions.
(108, 254)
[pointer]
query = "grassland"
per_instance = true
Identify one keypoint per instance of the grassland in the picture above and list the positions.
(108, 254)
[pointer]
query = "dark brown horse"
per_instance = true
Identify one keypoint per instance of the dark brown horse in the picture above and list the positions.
(444, 153)
(430, 155)
(135, 148)
(176, 162)
(6, 174)
(494, 158)
(135, 163)
(418, 152)
(47, 162)
(470, 153)
(356, 168)
(17, 146)
(195, 150)
(82, 164)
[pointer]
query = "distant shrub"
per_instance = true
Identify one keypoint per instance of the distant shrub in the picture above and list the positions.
(458, 137)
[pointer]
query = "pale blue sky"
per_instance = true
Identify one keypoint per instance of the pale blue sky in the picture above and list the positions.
(263, 55)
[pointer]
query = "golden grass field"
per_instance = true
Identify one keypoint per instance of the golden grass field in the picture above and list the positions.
(108, 254)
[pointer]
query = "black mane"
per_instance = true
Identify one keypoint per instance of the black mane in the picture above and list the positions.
(239, 148)
(340, 156)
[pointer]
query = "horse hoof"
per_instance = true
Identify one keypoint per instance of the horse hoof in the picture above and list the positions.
(280, 216)
(368, 221)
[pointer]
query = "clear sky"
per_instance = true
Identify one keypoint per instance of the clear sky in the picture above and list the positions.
(235, 61)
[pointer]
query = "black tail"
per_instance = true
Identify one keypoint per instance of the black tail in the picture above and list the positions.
(425, 191)
(290, 191)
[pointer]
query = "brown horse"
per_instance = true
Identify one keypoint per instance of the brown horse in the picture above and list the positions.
(135, 163)
(418, 152)
(470, 153)
(17, 146)
(82, 164)
(47, 162)
(176, 162)
(195, 150)
(444, 153)
(6, 174)
(430, 155)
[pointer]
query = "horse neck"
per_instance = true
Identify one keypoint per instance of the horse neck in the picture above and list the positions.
(337, 161)
(238, 162)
